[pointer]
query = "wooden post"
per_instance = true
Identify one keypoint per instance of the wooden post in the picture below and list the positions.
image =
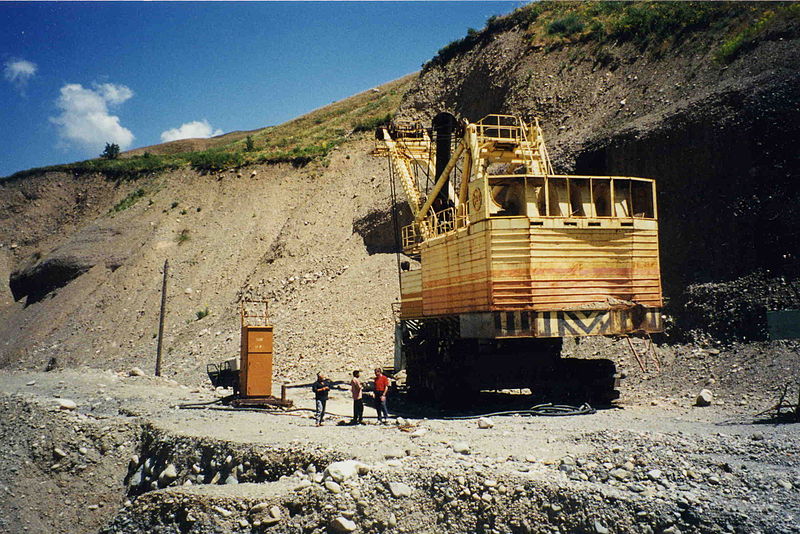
(161, 318)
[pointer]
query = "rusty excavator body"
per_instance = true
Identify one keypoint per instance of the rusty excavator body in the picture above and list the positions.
(507, 258)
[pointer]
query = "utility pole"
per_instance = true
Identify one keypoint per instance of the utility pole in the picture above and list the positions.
(161, 318)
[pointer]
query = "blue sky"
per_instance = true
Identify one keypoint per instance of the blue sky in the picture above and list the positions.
(77, 74)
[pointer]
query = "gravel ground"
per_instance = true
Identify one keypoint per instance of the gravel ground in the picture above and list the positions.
(136, 462)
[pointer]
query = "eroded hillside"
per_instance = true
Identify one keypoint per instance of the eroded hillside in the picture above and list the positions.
(82, 255)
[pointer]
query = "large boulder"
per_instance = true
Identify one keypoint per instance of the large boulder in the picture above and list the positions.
(704, 398)
(340, 471)
(400, 489)
(342, 524)
(485, 423)
(67, 404)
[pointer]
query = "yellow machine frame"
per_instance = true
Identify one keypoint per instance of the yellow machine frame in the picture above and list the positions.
(520, 251)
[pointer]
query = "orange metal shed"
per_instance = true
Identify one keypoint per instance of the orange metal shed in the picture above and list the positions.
(256, 353)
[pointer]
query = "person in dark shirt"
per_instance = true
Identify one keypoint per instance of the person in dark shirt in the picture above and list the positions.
(381, 390)
(321, 388)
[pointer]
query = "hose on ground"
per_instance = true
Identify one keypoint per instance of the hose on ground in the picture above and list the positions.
(546, 410)
(542, 410)
(221, 400)
(225, 408)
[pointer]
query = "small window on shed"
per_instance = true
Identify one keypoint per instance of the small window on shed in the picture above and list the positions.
(642, 199)
(622, 198)
(580, 198)
(601, 195)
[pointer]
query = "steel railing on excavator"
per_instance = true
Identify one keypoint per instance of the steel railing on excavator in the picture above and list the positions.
(434, 225)
(512, 132)
(410, 146)
(406, 145)
(500, 128)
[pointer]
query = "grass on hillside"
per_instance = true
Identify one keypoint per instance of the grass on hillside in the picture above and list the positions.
(182, 237)
(113, 169)
(745, 38)
(653, 26)
(131, 199)
(298, 141)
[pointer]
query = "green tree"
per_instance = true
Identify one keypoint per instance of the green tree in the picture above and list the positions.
(249, 145)
(111, 151)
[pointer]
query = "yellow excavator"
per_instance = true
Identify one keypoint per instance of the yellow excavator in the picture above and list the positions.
(506, 258)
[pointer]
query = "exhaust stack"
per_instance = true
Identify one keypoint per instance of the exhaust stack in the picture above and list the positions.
(444, 127)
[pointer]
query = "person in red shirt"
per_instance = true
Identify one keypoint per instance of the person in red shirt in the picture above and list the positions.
(381, 390)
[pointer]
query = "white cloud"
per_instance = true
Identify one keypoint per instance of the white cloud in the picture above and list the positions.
(190, 130)
(114, 94)
(85, 120)
(19, 71)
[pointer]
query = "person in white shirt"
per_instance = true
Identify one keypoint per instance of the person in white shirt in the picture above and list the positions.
(358, 399)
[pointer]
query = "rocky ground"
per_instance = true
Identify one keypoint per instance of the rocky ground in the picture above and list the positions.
(90, 450)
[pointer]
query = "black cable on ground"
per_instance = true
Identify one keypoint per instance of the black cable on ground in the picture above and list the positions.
(543, 410)
(247, 409)
(550, 410)
(277, 411)
(562, 409)
(221, 400)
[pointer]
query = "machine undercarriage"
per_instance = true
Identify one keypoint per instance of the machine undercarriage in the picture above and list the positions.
(446, 368)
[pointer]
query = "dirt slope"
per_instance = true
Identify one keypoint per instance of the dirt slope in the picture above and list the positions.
(82, 254)
(275, 231)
